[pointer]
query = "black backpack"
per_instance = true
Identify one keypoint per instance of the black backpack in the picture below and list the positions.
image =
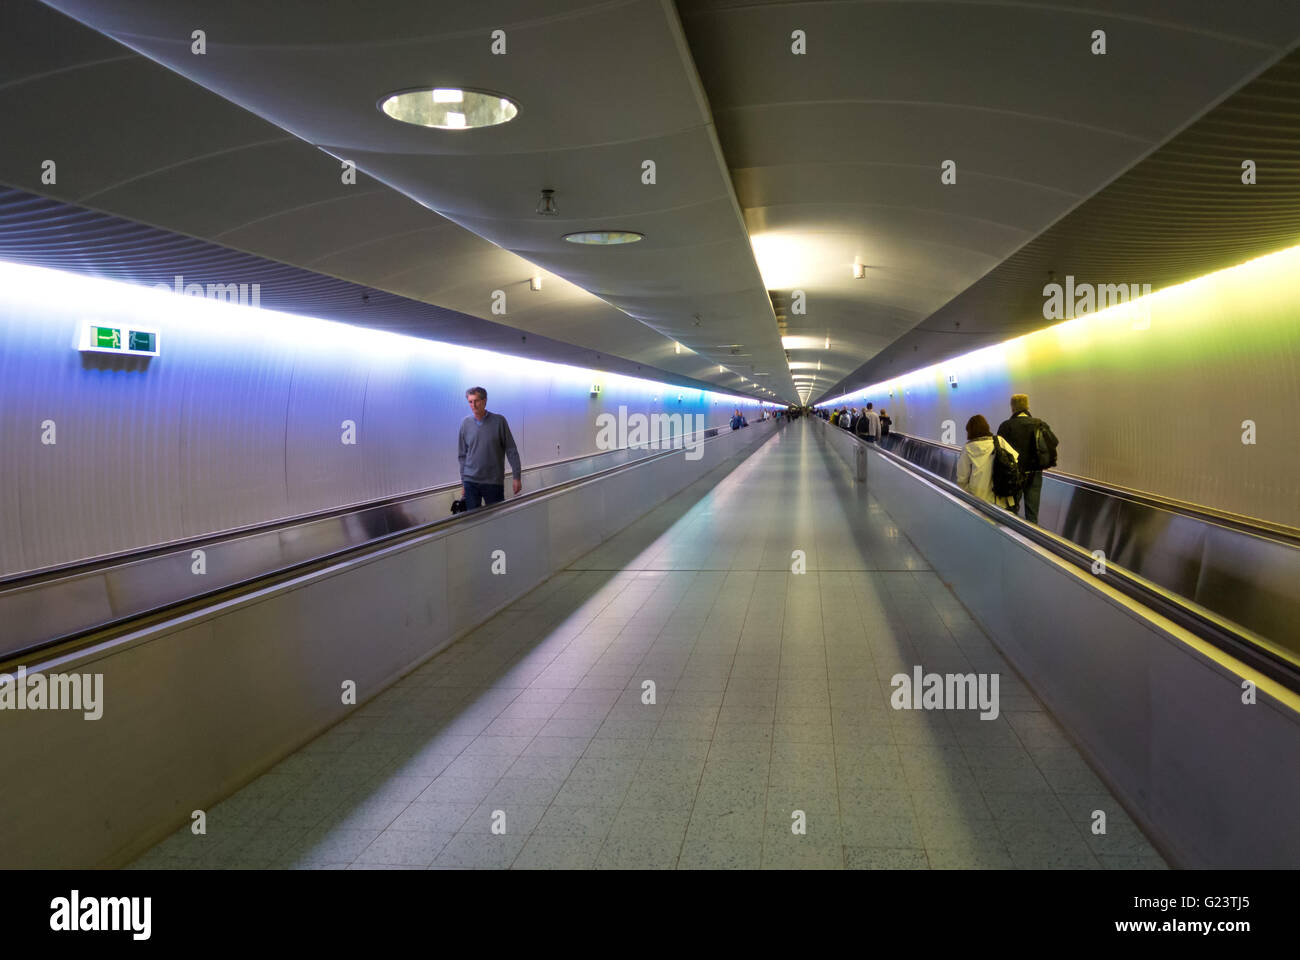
(1007, 478)
(1045, 444)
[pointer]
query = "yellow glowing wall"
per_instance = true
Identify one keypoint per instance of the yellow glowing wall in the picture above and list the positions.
(1153, 395)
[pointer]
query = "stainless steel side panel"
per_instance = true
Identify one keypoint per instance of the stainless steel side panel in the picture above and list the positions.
(1250, 579)
(40, 609)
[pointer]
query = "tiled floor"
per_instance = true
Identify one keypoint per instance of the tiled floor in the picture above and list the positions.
(771, 696)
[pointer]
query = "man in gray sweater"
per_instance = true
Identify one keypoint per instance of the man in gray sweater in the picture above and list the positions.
(484, 440)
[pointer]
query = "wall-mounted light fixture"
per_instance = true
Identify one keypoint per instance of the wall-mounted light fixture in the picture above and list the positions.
(535, 283)
(859, 271)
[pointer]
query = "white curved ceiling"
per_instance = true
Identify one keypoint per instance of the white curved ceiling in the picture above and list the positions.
(834, 155)
(590, 116)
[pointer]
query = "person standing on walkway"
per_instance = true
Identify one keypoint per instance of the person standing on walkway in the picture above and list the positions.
(975, 465)
(1035, 445)
(868, 426)
(484, 442)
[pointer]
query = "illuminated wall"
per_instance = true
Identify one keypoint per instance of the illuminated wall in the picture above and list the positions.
(1150, 396)
(240, 420)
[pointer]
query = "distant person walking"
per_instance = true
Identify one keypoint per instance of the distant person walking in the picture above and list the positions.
(484, 442)
(868, 426)
(976, 465)
(885, 423)
(1035, 445)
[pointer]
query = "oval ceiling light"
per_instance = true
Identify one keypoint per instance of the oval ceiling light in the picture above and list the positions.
(604, 237)
(449, 108)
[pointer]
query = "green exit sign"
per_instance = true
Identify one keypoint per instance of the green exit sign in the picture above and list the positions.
(128, 340)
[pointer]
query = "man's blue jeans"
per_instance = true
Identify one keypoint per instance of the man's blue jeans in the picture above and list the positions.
(482, 494)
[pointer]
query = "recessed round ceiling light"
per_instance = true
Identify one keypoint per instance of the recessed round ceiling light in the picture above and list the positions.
(604, 237)
(449, 108)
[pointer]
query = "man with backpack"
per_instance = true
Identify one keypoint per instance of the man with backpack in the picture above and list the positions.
(1035, 445)
(868, 425)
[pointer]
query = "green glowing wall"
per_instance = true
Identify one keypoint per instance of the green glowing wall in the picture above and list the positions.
(1151, 395)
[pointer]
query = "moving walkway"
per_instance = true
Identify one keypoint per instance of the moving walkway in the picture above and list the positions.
(1232, 580)
(62, 605)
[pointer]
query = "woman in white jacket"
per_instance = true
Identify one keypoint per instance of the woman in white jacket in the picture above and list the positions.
(975, 466)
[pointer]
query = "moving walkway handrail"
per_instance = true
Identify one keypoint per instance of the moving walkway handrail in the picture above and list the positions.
(1245, 645)
(1235, 521)
(106, 560)
(1245, 572)
(169, 603)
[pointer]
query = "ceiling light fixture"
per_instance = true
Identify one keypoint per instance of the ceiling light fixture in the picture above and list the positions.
(603, 238)
(449, 108)
(546, 205)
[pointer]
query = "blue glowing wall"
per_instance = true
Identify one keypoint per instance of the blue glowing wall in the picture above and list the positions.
(241, 420)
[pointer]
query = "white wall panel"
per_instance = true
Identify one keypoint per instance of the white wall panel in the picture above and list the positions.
(94, 484)
(328, 390)
(227, 389)
(1150, 396)
(407, 417)
(239, 421)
